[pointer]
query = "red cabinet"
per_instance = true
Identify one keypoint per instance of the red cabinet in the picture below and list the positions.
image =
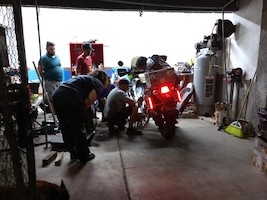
(97, 55)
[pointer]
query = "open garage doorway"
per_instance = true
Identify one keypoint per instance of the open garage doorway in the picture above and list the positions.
(124, 34)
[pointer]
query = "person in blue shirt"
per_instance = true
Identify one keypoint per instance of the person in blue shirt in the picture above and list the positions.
(103, 97)
(50, 69)
(71, 101)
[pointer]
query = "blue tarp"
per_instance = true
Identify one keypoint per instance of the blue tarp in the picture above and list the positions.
(111, 71)
(32, 76)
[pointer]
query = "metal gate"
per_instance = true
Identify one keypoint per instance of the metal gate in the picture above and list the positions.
(17, 163)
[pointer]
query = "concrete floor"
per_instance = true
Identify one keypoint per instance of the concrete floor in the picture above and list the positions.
(199, 163)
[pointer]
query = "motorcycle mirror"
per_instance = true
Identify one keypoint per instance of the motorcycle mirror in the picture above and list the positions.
(120, 63)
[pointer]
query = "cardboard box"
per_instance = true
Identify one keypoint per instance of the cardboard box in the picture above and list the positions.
(260, 145)
(219, 116)
(260, 154)
(159, 77)
(260, 163)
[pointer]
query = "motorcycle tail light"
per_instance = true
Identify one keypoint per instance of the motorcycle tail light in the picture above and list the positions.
(178, 95)
(151, 106)
(164, 89)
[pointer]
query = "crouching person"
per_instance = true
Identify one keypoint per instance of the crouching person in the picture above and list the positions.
(71, 100)
(116, 112)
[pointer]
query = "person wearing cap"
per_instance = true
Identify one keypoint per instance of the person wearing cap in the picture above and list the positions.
(49, 67)
(102, 98)
(84, 62)
(116, 112)
(71, 101)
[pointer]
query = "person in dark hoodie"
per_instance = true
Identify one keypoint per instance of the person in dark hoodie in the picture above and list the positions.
(71, 101)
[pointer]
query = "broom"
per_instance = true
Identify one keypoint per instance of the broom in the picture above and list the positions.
(235, 128)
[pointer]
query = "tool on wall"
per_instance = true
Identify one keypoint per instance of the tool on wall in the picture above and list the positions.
(236, 80)
(235, 128)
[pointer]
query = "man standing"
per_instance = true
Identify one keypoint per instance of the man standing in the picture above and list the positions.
(50, 69)
(84, 66)
(116, 112)
(71, 100)
(84, 62)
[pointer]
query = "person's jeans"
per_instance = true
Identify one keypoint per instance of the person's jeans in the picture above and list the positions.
(72, 125)
(119, 118)
(50, 87)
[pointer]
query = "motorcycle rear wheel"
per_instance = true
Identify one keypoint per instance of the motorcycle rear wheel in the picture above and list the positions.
(167, 131)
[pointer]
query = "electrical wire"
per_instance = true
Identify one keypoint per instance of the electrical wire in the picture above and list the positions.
(223, 56)
(223, 50)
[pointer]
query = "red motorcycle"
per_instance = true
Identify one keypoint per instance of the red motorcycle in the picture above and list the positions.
(158, 94)
(161, 97)
(163, 100)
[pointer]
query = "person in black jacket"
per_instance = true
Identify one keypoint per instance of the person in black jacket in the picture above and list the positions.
(71, 101)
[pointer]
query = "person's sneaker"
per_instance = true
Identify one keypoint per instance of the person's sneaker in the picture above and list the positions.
(111, 129)
(133, 131)
(103, 119)
(90, 156)
(73, 156)
(121, 128)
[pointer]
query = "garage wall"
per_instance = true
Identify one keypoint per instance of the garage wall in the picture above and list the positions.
(245, 44)
(260, 98)
(245, 41)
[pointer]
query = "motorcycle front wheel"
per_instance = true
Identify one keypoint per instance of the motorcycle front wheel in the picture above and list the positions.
(167, 131)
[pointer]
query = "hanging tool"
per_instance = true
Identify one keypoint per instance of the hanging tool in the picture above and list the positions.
(235, 128)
